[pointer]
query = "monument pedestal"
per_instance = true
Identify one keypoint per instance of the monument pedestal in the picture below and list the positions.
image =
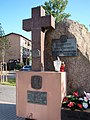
(39, 94)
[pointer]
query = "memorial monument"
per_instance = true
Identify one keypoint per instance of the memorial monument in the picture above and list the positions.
(39, 92)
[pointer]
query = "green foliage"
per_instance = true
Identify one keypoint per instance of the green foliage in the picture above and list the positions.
(10, 82)
(75, 101)
(4, 46)
(56, 8)
(4, 43)
(19, 66)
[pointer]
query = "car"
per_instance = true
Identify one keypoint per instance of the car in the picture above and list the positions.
(26, 68)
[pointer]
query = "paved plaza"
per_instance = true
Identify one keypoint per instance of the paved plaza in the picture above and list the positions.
(8, 103)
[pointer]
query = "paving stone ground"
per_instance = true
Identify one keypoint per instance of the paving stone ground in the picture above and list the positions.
(8, 103)
(8, 93)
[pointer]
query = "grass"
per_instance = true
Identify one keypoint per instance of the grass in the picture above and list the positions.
(10, 81)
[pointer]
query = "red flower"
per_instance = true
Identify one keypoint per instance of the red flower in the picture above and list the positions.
(79, 105)
(75, 94)
(71, 104)
(65, 99)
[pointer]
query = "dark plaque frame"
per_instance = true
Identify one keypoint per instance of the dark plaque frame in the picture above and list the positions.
(37, 97)
(64, 46)
(36, 82)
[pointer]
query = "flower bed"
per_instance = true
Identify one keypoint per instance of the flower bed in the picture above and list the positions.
(75, 101)
(75, 107)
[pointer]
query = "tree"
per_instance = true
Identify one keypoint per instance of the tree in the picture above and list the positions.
(56, 8)
(4, 42)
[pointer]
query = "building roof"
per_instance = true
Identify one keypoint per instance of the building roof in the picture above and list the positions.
(18, 35)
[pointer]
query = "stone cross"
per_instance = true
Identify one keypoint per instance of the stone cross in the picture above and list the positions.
(37, 24)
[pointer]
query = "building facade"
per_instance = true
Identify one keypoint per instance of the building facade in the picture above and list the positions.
(20, 49)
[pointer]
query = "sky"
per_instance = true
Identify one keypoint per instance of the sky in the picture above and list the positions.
(12, 12)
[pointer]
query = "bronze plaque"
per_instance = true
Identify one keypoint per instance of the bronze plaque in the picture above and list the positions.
(36, 82)
(64, 46)
(37, 97)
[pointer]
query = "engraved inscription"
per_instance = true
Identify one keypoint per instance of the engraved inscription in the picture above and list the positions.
(36, 97)
(64, 47)
(36, 82)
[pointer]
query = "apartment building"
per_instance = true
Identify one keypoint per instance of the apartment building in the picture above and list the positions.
(20, 48)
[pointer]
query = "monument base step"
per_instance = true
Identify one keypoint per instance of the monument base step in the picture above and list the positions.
(67, 114)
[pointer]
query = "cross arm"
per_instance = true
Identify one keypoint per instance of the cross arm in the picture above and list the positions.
(27, 24)
(48, 21)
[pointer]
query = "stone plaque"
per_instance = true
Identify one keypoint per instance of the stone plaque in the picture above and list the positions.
(36, 97)
(36, 82)
(36, 53)
(64, 47)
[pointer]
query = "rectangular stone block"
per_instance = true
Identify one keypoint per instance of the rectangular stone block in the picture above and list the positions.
(44, 101)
